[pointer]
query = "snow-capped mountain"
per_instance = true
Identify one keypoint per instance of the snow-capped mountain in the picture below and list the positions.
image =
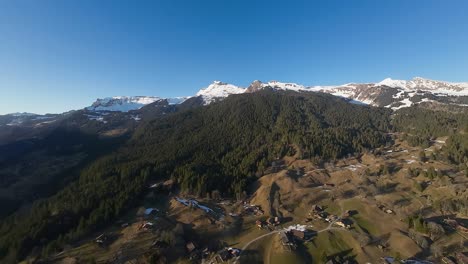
(116, 115)
(388, 93)
(418, 83)
(128, 103)
(218, 90)
(396, 94)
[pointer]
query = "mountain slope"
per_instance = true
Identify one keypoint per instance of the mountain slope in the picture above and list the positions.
(222, 147)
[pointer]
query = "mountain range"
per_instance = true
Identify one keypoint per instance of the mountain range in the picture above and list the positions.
(389, 93)
(115, 115)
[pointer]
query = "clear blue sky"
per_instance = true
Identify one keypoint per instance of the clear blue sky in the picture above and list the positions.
(61, 55)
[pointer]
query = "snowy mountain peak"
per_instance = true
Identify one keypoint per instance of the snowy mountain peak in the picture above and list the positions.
(369, 93)
(218, 89)
(392, 83)
(128, 103)
(423, 84)
(285, 86)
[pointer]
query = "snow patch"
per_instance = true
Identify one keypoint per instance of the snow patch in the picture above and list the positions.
(404, 103)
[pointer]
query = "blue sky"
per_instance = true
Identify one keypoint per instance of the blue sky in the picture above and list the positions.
(61, 55)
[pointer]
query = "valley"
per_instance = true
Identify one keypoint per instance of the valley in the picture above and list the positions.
(374, 192)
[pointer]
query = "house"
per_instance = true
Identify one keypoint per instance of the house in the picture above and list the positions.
(273, 221)
(331, 218)
(322, 215)
(259, 224)
(298, 234)
(328, 185)
(388, 211)
(190, 246)
(349, 213)
(101, 239)
(343, 223)
(277, 220)
(270, 221)
(317, 208)
(253, 209)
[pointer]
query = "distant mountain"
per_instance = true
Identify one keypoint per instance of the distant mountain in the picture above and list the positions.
(122, 112)
(128, 103)
(394, 94)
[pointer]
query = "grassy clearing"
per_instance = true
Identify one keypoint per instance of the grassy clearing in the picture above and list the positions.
(365, 225)
(286, 258)
(328, 242)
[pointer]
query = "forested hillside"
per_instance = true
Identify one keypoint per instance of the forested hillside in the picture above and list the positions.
(223, 147)
(423, 125)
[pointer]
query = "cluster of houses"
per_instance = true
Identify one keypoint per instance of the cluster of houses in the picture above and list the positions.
(196, 254)
(251, 209)
(385, 209)
(318, 212)
(270, 222)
